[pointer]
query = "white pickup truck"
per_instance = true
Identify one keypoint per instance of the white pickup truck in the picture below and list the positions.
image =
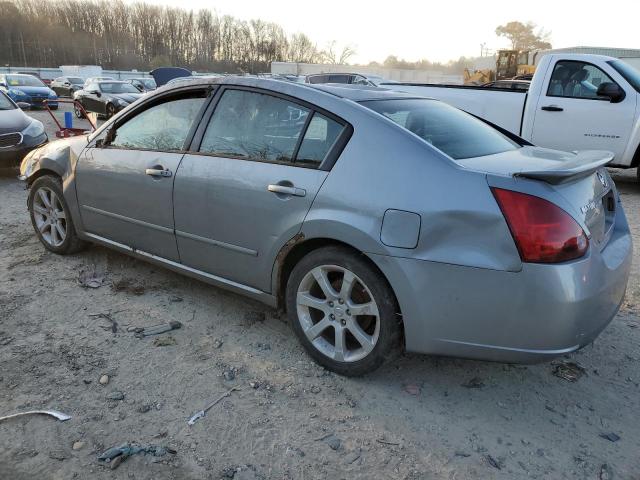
(575, 102)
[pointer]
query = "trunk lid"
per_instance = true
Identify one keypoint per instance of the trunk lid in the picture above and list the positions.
(578, 182)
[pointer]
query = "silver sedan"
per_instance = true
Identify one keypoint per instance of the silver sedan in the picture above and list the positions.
(377, 220)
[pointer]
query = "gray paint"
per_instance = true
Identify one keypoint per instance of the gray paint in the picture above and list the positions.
(462, 289)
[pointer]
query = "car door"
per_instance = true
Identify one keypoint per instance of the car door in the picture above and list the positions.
(571, 116)
(125, 186)
(90, 100)
(247, 187)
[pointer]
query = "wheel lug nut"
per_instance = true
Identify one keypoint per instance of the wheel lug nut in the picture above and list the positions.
(343, 322)
(331, 304)
(349, 312)
(340, 301)
(332, 316)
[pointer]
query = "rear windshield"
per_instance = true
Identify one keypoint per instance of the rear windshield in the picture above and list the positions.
(108, 87)
(629, 73)
(450, 130)
(75, 80)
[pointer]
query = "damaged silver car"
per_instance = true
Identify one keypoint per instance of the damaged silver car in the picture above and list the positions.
(377, 220)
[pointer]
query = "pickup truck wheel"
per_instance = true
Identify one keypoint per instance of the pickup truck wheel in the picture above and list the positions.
(343, 311)
(51, 218)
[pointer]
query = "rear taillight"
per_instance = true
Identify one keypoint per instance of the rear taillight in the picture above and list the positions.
(543, 232)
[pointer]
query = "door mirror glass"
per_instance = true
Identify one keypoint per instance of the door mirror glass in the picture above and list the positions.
(612, 91)
(23, 105)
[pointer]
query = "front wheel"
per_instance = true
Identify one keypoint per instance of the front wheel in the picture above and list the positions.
(51, 218)
(77, 109)
(111, 110)
(343, 311)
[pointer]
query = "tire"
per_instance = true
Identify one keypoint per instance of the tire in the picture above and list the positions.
(51, 218)
(111, 110)
(369, 338)
(77, 110)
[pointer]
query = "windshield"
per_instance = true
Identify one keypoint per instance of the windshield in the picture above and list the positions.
(148, 82)
(23, 81)
(629, 73)
(5, 103)
(75, 80)
(109, 87)
(450, 130)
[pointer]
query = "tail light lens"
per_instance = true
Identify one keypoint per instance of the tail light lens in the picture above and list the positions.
(543, 232)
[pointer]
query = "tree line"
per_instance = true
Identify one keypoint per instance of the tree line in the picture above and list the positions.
(117, 35)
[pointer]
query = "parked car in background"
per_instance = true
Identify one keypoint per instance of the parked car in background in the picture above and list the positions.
(19, 133)
(575, 102)
(28, 89)
(66, 86)
(96, 79)
(348, 78)
(336, 203)
(105, 98)
(143, 84)
(509, 84)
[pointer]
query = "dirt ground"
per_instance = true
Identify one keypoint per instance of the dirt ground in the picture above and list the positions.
(418, 418)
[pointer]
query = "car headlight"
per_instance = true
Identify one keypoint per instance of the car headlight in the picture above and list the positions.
(35, 129)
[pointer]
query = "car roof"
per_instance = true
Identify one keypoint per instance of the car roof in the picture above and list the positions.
(356, 93)
(111, 81)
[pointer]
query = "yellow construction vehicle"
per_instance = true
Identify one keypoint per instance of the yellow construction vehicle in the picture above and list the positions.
(515, 63)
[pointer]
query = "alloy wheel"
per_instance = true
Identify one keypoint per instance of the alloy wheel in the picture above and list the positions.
(50, 217)
(77, 110)
(338, 313)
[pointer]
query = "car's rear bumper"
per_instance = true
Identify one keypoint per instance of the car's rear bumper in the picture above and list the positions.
(533, 315)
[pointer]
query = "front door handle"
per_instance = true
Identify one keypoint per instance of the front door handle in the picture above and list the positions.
(286, 190)
(158, 172)
(552, 108)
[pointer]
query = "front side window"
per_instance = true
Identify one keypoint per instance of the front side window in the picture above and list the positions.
(254, 126)
(450, 130)
(162, 127)
(577, 80)
(75, 80)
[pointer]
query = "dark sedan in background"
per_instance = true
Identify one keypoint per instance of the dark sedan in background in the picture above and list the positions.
(67, 86)
(19, 133)
(105, 98)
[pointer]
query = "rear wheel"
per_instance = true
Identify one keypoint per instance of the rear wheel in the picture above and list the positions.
(343, 311)
(51, 218)
(77, 109)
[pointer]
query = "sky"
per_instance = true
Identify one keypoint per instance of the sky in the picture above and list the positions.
(437, 31)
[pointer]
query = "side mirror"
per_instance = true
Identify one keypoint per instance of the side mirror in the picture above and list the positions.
(66, 84)
(612, 91)
(109, 137)
(139, 87)
(24, 106)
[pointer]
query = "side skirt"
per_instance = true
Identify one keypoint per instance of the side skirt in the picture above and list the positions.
(214, 280)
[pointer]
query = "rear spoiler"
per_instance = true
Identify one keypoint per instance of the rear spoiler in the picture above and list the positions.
(583, 165)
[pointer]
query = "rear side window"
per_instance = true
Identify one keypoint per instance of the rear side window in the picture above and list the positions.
(162, 127)
(320, 137)
(254, 126)
(450, 130)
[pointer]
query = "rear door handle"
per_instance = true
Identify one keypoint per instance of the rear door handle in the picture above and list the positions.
(552, 108)
(285, 190)
(158, 172)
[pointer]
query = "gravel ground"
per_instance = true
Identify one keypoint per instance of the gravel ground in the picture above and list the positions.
(418, 418)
